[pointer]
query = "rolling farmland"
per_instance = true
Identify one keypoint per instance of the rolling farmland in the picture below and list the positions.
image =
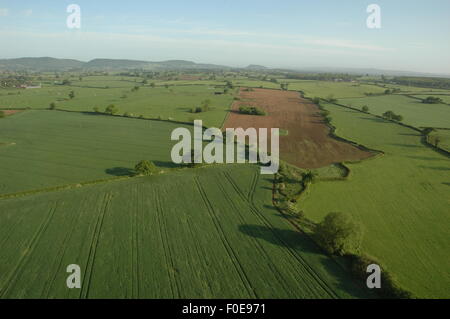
(401, 198)
(66, 196)
(174, 102)
(204, 233)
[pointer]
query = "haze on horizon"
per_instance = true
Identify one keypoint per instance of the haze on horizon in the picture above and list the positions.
(290, 34)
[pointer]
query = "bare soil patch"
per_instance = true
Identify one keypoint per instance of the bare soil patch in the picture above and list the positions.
(308, 144)
(10, 112)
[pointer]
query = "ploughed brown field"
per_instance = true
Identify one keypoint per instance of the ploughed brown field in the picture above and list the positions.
(308, 143)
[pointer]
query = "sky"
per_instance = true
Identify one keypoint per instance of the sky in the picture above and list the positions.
(414, 34)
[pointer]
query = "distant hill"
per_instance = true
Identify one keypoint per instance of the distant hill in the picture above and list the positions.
(60, 65)
(363, 71)
(114, 64)
(256, 67)
(39, 64)
(52, 64)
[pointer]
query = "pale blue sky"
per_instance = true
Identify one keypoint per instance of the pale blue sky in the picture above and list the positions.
(291, 33)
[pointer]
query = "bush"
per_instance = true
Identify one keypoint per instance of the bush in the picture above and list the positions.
(331, 98)
(111, 109)
(2, 114)
(197, 109)
(428, 130)
(52, 106)
(328, 119)
(392, 116)
(339, 234)
(389, 287)
(365, 109)
(325, 113)
(145, 167)
(251, 110)
(316, 100)
(432, 100)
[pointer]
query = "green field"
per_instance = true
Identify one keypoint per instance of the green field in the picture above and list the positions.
(339, 90)
(256, 84)
(202, 233)
(174, 102)
(414, 112)
(401, 198)
(51, 148)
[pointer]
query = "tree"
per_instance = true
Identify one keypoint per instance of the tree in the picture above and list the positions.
(432, 100)
(152, 84)
(251, 110)
(387, 114)
(308, 177)
(428, 130)
(316, 100)
(325, 113)
(229, 84)
(71, 94)
(331, 98)
(398, 118)
(111, 109)
(437, 140)
(96, 109)
(145, 167)
(205, 105)
(365, 109)
(52, 106)
(197, 109)
(339, 234)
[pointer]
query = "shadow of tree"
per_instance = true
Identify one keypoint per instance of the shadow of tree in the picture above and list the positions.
(406, 145)
(373, 119)
(436, 168)
(300, 243)
(165, 164)
(279, 237)
(120, 171)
